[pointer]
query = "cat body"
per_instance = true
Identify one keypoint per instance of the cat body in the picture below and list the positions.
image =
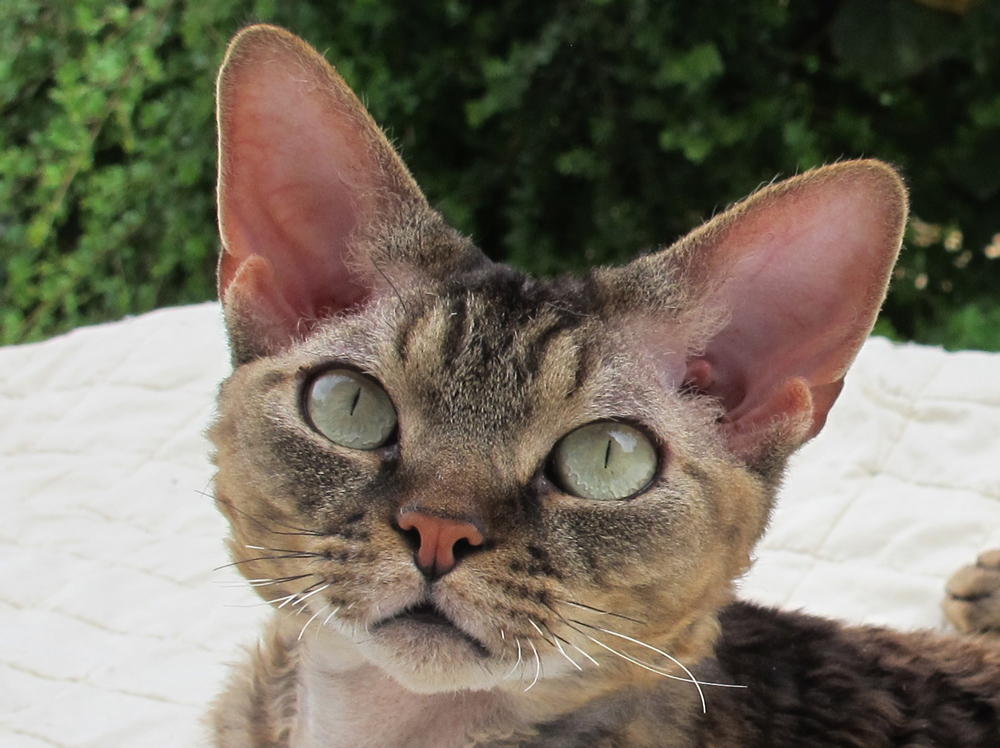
(811, 684)
(496, 511)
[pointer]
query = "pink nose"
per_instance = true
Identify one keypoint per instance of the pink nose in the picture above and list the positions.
(438, 538)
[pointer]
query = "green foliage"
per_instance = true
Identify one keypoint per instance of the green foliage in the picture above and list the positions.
(105, 162)
(557, 134)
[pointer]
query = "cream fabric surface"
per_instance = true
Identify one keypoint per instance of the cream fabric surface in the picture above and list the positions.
(116, 629)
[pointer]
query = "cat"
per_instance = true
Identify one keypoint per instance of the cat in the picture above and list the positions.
(497, 511)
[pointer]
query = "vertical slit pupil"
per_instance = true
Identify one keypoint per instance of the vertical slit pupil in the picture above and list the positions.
(607, 455)
(354, 402)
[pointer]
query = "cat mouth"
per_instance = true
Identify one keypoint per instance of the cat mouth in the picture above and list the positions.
(427, 618)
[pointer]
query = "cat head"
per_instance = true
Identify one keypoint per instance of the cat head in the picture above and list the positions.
(471, 477)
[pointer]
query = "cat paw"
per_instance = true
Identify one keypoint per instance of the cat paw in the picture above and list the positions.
(972, 603)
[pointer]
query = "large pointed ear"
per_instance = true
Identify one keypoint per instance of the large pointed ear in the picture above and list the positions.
(788, 283)
(306, 180)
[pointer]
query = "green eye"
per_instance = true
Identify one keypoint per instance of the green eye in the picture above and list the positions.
(604, 461)
(350, 410)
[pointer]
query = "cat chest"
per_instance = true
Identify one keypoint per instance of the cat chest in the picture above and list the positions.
(362, 708)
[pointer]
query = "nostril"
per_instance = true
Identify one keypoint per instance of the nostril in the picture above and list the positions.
(412, 537)
(463, 548)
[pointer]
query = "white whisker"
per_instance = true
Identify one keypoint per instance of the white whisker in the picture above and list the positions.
(266, 582)
(540, 632)
(314, 617)
(669, 657)
(516, 664)
(596, 663)
(538, 666)
(650, 668)
(285, 600)
(651, 648)
(306, 597)
(564, 654)
(558, 645)
(249, 605)
(327, 619)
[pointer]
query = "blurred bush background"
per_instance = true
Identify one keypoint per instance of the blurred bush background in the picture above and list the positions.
(557, 134)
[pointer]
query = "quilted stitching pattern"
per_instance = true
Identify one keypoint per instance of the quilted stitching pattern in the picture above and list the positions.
(900, 489)
(116, 629)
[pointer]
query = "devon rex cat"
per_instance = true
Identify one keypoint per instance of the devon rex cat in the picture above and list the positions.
(496, 511)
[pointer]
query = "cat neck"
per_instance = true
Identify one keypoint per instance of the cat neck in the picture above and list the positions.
(343, 700)
(321, 693)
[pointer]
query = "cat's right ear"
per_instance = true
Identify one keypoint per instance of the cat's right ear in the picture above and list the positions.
(765, 307)
(304, 175)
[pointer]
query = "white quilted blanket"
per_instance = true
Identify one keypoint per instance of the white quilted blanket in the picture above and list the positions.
(116, 630)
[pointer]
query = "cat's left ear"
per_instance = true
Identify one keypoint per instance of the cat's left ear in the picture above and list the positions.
(780, 292)
(314, 203)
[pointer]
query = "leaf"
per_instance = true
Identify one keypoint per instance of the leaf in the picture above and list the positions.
(891, 39)
(693, 69)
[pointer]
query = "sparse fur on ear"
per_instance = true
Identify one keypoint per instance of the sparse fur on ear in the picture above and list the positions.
(765, 307)
(315, 207)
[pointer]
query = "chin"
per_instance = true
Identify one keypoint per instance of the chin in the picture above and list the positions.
(431, 657)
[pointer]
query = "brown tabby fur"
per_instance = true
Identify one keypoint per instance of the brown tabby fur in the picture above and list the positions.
(487, 370)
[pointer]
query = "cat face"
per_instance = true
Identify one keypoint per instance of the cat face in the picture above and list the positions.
(486, 377)
(473, 478)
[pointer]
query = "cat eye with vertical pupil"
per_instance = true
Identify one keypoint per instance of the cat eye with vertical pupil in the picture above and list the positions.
(604, 461)
(350, 410)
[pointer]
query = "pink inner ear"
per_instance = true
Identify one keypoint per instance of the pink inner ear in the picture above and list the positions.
(297, 215)
(254, 296)
(297, 174)
(804, 265)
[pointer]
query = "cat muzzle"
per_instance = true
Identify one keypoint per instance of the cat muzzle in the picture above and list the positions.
(428, 616)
